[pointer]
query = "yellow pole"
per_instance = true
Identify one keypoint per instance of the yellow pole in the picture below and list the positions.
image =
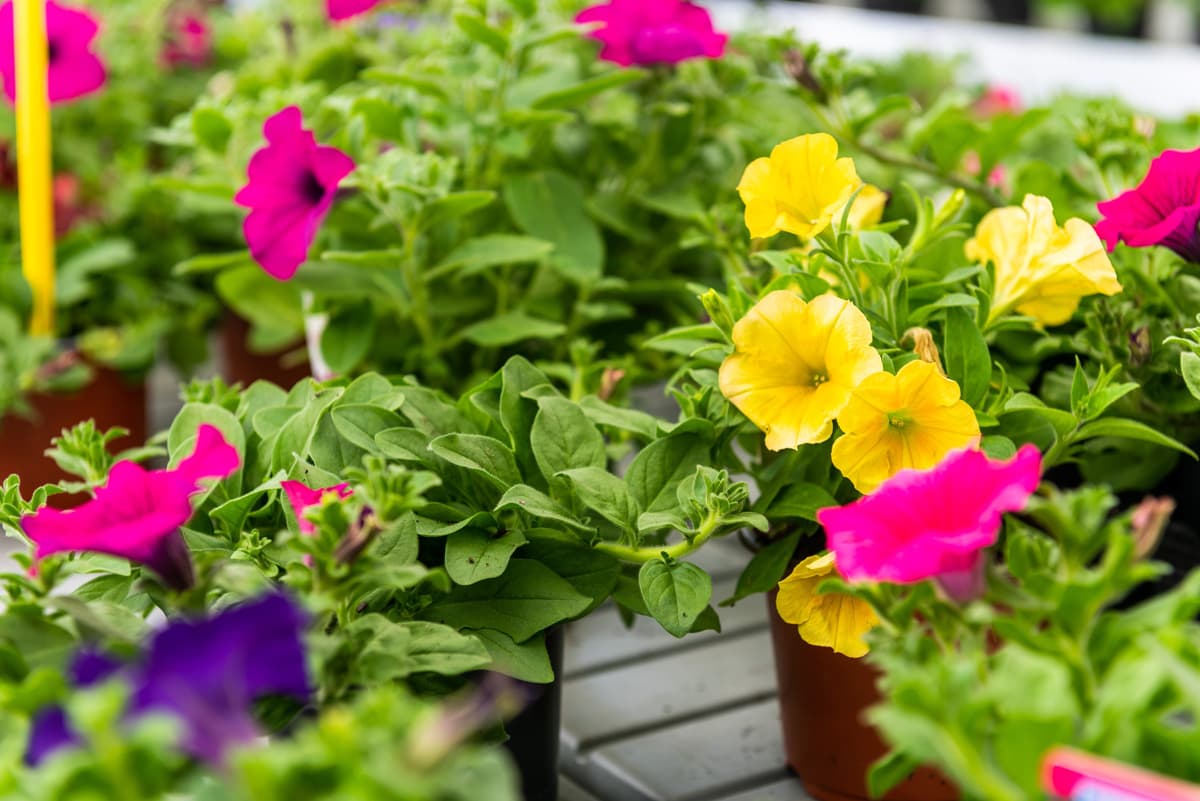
(33, 160)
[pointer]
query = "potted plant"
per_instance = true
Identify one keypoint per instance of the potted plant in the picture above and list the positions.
(903, 340)
(118, 69)
(511, 193)
(432, 537)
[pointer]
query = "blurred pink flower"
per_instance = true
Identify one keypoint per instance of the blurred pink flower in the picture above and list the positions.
(138, 513)
(1163, 209)
(933, 523)
(302, 498)
(292, 185)
(647, 32)
(74, 70)
(997, 178)
(339, 10)
(189, 41)
(998, 100)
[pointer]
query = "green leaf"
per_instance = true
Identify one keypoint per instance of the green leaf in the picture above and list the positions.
(348, 338)
(211, 128)
(538, 505)
(766, 569)
(495, 250)
(1189, 365)
(528, 661)
(659, 467)
(967, 358)
(800, 500)
(484, 455)
(510, 328)
(361, 423)
(888, 771)
(550, 205)
(578, 93)
(403, 444)
(473, 555)
(477, 28)
(605, 414)
(675, 593)
(563, 438)
(526, 600)
(105, 618)
(455, 205)
(1130, 429)
(592, 573)
(605, 494)
(394, 650)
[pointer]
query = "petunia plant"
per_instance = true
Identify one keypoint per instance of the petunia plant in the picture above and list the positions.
(1048, 647)
(116, 70)
(859, 354)
(517, 187)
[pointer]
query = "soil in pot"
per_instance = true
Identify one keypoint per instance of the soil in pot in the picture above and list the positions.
(110, 400)
(239, 364)
(533, 735)
(823, 696)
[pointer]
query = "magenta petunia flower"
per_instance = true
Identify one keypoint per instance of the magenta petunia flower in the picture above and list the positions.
(302, 498)
(932, 523)
(138, 513)
(339, 10)
(74, 68)
(647, 32)
(1163, 210)
(292, 184)
(998, 100)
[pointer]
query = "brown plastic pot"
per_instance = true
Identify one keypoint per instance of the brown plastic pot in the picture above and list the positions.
(239, 364)
(822, 698)
(110, 400)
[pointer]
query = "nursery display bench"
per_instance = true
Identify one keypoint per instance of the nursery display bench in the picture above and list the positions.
(647, 717)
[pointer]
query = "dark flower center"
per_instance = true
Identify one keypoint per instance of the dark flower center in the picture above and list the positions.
(52, 51)
(311, 188)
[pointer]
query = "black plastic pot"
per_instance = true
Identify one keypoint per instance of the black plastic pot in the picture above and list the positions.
(1014, 12)
(906, 6)
(533, 735)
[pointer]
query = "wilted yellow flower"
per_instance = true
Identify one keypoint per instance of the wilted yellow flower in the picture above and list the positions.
(908, 420)
(799, 188)
(1042, 270)
(829, 619)
(795, 364)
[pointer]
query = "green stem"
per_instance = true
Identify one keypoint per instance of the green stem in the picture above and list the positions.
(648, 553)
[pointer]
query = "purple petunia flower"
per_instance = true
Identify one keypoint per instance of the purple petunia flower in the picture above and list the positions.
(1163, 209)
(50, 729)
(292, 184)
(207, 674)
(138, 513)
(645, 32)
(74, 69)
(339, 10)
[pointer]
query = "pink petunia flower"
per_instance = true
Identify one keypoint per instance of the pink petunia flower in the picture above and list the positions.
(292, 185)
(1162, 210)
(339, 10)
(645, 32)
(189, 42)
(138, 513)
(74, 69)
(302, 498)
(998, 100)
(933, 523)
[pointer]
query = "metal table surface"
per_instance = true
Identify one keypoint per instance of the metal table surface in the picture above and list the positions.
(648, 717)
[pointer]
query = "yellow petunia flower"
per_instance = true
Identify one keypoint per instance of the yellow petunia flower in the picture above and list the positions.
(894, 422)
(795, 364)
(798, 188)
(832, 620)
(1042, 270)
